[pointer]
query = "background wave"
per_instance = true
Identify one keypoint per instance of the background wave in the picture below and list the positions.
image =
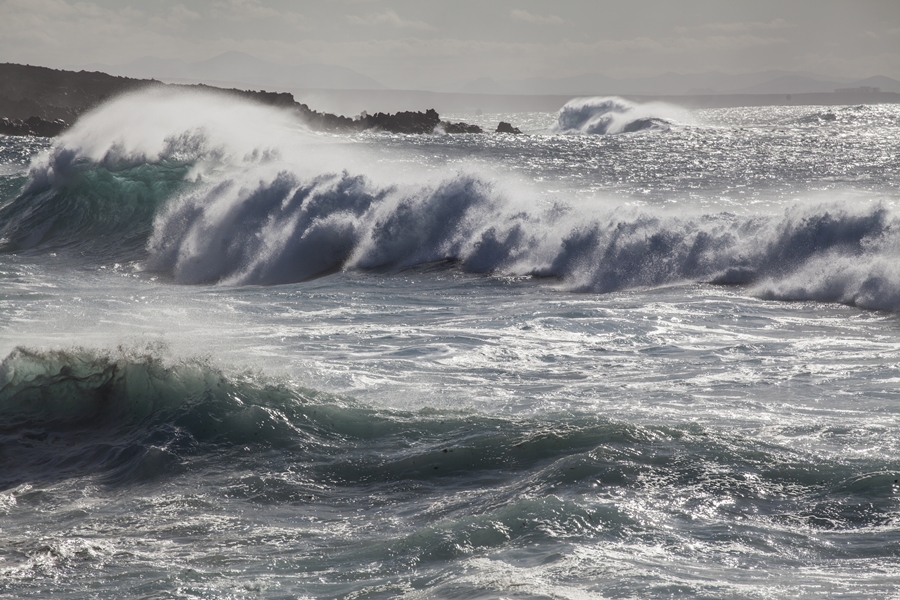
(611, 115)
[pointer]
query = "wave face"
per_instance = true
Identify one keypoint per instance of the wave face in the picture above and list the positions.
(289, 229)
(606, 116)
(131, 416)
(230, 193)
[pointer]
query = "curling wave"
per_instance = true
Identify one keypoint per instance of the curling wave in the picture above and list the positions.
(289, 229)
(106, 211)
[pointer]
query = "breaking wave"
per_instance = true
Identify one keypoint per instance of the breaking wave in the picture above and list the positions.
(241, 194)
(605, 116)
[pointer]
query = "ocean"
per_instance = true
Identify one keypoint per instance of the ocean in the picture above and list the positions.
(636, 352)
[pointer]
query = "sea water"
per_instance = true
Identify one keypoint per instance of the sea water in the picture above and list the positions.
(635, 352)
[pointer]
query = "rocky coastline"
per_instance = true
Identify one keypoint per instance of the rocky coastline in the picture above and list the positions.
(43, 102)
(34, 126)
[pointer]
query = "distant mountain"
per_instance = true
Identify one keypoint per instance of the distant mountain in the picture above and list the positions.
(886, 84)
(242, 68)
(763, 82)
(589, 83)
(712, 82)
(791, 84)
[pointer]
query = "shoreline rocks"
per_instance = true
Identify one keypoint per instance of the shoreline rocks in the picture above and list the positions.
(35, 126)
(460, 128)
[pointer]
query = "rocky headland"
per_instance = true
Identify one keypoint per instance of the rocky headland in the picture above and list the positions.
(43, 102)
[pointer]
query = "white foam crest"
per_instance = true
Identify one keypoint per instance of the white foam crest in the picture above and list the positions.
(870, 281)
(288, 229)
(611, 115)
(205, 128)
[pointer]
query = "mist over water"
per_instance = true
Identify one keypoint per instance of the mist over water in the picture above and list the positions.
(638, 352)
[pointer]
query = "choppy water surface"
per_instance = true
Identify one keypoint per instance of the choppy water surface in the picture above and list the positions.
(245, 360)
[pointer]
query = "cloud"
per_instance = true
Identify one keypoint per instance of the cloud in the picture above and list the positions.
(431, 62)
(54, 24)
(404, 49)
(182, 13)
(524, 15)
(389, 17)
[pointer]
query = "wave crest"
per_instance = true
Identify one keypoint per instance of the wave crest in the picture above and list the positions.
(289, 229)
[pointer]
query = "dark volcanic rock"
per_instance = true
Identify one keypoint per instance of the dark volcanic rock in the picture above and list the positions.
(50, 94)
(460, 127)
(31, 126)
(505, 127)
(56, 98)
(324, 121)
(402, 122)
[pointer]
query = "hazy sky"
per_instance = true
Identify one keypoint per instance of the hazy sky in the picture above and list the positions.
(417, 43)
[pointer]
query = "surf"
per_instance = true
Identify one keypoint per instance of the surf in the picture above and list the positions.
(218, 191)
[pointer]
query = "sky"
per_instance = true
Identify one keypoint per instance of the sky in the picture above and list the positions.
(420, 44)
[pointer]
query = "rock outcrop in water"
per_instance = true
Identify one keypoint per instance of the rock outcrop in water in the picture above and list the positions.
(460, 128)
(401, 122)
(43, 102)
(505, 127)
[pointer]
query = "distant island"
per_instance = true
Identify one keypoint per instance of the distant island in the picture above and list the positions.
(44, 102)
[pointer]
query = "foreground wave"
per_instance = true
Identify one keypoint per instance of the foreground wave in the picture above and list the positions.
(216, 202)
(128, 418)
(302, 493)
